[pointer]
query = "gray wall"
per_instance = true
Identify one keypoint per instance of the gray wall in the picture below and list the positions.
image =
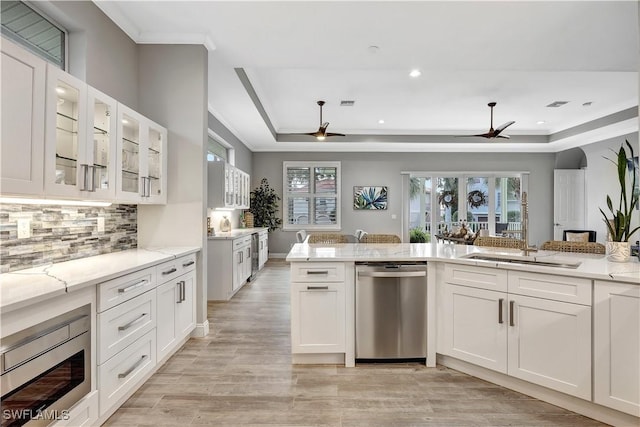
(243, 155)
(385, 168)
(173, 92)
(100, 53)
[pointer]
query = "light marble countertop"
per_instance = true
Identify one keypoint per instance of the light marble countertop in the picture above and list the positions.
(235, 233)
(29, 286)
(592, 266)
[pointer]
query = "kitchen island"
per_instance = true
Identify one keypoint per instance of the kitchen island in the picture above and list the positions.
(558, 326)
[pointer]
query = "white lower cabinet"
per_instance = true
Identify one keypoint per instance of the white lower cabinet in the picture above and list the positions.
(617, 346)
(263, 248)
(228, 266)
(176, 302)
(82, 414)
(539, 340)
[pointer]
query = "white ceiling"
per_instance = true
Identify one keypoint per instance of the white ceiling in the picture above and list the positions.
(521, 54)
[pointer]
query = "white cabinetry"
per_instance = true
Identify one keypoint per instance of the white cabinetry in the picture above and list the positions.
(241, 262)
(617, 346)
(263, 248)
(318, 308)
(228, 186)
(141, 159)
(176, 302)
(80, 151)
(229, 266)
(535, 327)
(22, 144)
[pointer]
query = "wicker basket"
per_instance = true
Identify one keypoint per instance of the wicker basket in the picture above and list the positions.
(248, 219)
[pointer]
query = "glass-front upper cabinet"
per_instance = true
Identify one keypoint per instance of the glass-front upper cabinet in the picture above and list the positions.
(142, 160)
(79, 139)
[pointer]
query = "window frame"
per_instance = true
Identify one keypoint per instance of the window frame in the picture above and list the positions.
(312, 194)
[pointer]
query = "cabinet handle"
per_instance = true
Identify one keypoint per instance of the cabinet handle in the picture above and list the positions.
(188, 263)
(317, 288)
(142, 186)
(183, 290)
(92, 178)
(83, 172)
(317, 272)
(173, 270)
(132, 287)
(179, 285)
(148, 190)
(512, 304)
(133, 322)
(126, 373)
(500, 319)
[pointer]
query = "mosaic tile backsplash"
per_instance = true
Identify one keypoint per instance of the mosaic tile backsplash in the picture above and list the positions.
(63, 233)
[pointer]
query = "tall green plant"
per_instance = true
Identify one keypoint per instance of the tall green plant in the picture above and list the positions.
(264, 206)
(619, 225)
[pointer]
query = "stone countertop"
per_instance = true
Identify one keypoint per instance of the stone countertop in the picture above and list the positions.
(236, 233)
(592, 266)
(24, 287)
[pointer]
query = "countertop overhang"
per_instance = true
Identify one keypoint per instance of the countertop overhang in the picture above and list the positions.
(236, 233)
(592, 266)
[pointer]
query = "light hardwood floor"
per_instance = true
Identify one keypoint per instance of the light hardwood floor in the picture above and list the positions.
(241, 374)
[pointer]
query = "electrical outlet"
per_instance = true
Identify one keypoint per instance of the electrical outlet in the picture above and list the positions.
(100, 225)
(24, 228)
(394, 216)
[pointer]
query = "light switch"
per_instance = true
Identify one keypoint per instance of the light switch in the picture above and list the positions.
(100, 225)
(24, 228)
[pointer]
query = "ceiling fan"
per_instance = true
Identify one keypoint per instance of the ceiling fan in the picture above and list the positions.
(493, 133)
(322, 133)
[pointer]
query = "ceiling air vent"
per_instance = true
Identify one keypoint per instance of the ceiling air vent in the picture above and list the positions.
(557, 104)
(347, 103)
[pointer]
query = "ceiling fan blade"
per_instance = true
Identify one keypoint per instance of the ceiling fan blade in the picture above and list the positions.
(503, 127)
(335, 134)
(503, 136)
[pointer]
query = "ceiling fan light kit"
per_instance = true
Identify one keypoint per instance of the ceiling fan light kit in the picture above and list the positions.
(493, 133)
(321, 134)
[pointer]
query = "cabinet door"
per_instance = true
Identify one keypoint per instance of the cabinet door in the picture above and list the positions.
(318, 317)
(168, 297)
(550, 344)
(101, 145)
(155, 164)
(65, 165)
(248, 261)
(238, 269)
(475, 327)
(264, 250)
(23, 98)
(617, 346)
(186, 308)
(129, 173)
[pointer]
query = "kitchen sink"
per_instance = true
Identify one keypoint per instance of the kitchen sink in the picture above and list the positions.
(515, 259)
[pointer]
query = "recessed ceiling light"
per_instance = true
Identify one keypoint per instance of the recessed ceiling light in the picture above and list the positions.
(415, 73)
(381, 121)
(60, 90)
(540, 122)
(373, 49)
(125, 121)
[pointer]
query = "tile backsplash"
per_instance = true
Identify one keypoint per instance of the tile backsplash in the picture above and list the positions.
(62, 233)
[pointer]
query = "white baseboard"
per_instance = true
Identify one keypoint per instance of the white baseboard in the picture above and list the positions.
(201, 330)
(277, 255)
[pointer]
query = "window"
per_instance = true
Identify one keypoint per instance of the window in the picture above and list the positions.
(216, 152)
(311, 195)
(34, 31)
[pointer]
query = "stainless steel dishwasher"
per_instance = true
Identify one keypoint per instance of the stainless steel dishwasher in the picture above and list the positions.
(391, 311)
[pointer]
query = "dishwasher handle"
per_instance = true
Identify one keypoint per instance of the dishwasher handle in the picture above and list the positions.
(392, 274)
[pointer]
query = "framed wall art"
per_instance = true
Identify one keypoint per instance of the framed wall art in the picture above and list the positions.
(369, 198)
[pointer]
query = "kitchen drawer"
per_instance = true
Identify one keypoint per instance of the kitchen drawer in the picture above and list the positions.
(121, 289)
(317, 272)
(122, 325)
(122, 373)
(477, 277)
(82, 414)
(241, 242)
(169, 270)
(557, 288)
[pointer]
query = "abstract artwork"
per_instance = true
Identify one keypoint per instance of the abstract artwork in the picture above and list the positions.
(368, 198)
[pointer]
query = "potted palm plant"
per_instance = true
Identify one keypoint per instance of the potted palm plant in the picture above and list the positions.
(619, 223)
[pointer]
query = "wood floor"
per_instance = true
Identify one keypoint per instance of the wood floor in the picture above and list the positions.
(241, 374)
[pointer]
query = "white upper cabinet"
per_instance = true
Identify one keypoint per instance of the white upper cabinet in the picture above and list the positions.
(228, 186)
(22, 137)
(141, 159)
(80, 139)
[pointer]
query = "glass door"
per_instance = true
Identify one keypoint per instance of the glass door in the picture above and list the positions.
(129, 177)
(154, 166)
(101, 145)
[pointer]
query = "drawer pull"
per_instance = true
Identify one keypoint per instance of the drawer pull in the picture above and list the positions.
(133, 322)
(511, 310)
(132, 287)
(173, 270)
(500, 319)
(126, 373)
(188, 263)
(318, 272)
(311, 288)
(183, 291)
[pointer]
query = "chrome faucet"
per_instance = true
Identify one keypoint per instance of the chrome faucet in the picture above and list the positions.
(525, 226)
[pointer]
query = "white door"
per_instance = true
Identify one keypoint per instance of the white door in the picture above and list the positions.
(616, 346)
(22, 140)
(168, 296)
(550, 344)
(569, 205)
(475, 326)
